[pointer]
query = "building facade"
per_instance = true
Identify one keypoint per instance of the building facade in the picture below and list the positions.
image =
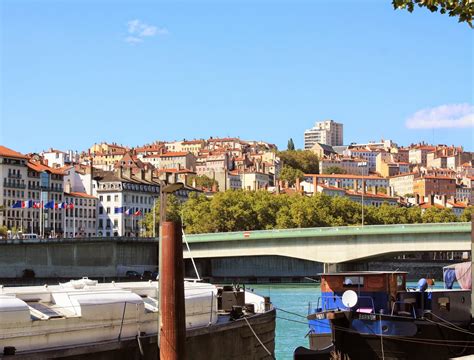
(325, 132)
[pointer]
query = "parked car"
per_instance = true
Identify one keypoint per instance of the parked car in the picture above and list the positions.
(30, 236)
(131, 274)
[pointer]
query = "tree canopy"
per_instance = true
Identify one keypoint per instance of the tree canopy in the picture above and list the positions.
(462, 9)
(291, 145)
(334, 170)
(303, 160)
(237, 210)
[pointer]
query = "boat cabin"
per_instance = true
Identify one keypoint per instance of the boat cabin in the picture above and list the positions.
(376, 290)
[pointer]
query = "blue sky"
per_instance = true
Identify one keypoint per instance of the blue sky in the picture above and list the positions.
(78, 72)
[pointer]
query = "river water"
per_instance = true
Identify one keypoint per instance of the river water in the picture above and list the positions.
(293, 298)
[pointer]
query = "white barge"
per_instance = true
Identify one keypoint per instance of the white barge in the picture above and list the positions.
(83, 319)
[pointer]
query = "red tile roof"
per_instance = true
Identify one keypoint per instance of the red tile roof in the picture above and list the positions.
(6, 152)
(81, 195)
(39, 167)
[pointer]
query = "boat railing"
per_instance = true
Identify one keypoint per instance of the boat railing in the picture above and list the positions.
(402, 312)
(322, 304)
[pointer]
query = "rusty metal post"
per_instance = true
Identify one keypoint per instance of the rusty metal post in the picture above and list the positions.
(472, 262)
(172, 312)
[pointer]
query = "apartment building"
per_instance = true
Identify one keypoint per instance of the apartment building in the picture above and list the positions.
(402, 184)
(80, 218)
(325, 132)
(419, 155)
(349, 165)
(13, 186)
(172, 160)
(347, 181)
(119, 192)
(439, 185)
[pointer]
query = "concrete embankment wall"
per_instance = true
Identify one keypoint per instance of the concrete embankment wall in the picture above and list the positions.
(76, 259)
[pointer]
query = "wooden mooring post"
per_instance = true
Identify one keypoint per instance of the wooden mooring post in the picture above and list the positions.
(172, 311)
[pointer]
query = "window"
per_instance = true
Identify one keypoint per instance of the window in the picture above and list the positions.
(108, 197)
(101, 210)
(115, 223)
(116, 198)
(108, 210)
(350, 281)
(101, 198)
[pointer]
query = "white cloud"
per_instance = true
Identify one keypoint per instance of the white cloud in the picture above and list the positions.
(133, 40)
(138, 30)
(444, 116)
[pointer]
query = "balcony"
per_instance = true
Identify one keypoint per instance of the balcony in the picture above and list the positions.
(13, 185)
(14, 176)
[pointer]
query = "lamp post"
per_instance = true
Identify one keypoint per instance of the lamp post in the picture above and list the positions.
(362, 164)
(164, 191)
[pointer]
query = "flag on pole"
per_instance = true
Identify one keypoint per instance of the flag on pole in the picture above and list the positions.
(118, 210)
(137, 213)
(27, 204)
(17, 204)
(60, 205)
(70, 206)
(37, 204)
(129, 212)
(49, 205)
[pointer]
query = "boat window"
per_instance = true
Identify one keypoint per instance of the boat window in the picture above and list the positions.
(400, 281)
(443, 303)
(353, 281)
(45, 310)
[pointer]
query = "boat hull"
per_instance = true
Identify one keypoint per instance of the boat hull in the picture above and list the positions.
(227, 340)
(358, 337)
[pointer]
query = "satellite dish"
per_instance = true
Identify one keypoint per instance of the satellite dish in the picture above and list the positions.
(349, 298)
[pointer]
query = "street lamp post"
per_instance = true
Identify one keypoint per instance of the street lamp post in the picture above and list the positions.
(362, 164)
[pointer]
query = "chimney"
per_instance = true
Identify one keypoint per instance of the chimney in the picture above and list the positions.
(356, 185)
(297, 185)
(443, 200)
(194, 182)
(431, 199)
(417, 199)
(315, 185)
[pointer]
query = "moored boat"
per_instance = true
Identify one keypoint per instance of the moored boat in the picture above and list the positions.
(84, 319)
(373, 315)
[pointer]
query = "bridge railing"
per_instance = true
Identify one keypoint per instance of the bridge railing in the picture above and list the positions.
(333, 231)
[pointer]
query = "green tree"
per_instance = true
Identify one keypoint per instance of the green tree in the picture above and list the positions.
(196, 215)
(3, 231)
(290, 174)
(173, 213)
(435, 215)
(334, 170)
(467, 214)
(291, 145)
(202, 181)
(303, 160)
(462, 9)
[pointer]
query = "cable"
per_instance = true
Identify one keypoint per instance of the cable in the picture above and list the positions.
(260, 341)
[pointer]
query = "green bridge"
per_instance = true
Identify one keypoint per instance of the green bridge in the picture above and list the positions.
(333, 245)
